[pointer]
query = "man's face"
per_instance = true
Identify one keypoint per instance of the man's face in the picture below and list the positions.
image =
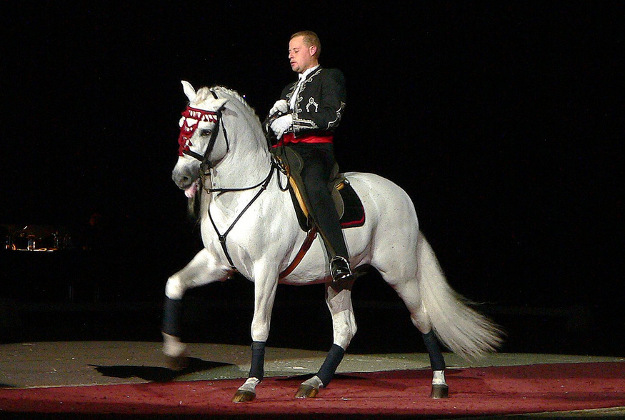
(300, 55)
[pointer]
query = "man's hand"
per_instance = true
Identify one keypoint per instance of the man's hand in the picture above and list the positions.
(282, 125)
(280, 106)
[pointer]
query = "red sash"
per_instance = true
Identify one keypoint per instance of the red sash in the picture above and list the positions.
(290, 138)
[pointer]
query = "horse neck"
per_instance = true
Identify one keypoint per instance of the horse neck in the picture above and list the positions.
(247, 163)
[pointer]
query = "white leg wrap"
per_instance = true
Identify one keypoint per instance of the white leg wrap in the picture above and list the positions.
(250, 385)
(315, 382)
(438, 378)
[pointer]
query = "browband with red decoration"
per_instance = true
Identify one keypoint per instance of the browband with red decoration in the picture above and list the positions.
(191, 118)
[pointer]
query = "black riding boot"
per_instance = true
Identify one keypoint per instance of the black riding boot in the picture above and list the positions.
(318, 164)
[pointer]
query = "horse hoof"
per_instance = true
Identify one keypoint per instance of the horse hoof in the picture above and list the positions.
(243, 396)
(177, 363)
(439, 391)
(306, 391)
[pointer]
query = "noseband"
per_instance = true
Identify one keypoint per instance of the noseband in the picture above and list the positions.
(187, 130)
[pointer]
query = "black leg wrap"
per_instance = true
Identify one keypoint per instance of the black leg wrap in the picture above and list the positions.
(436, 356)
(334, 357)
(257, 370)
(172, 315)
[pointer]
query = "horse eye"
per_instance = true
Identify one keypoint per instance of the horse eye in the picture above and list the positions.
(205, 132)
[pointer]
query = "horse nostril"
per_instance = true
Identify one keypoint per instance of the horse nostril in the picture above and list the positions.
(180, 179)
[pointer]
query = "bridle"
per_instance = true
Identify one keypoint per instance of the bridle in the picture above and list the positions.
(187, 130)
(184, 140)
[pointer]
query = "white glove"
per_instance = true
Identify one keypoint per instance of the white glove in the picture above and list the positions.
(279, 106)
(282, 125)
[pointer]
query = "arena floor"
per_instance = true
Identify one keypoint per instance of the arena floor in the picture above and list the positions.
(42, 366)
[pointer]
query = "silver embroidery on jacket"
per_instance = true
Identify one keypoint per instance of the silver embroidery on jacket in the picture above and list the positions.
(312, 102)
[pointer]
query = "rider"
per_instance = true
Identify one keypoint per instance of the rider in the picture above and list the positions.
(312, 108)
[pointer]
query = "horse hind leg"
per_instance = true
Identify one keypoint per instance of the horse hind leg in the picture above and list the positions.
(410, 294)
(339, 302)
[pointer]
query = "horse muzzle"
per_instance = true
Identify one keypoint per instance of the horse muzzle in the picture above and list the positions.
(186, 176)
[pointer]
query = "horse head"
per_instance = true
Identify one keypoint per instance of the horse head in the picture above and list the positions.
(218, 129)
(200, 141)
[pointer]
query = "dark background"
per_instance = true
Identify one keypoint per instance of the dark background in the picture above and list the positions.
(502, 120)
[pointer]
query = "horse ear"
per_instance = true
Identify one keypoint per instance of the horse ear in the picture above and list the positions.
(188, 90)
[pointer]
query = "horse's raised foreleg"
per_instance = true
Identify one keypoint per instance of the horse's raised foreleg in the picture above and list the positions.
(264, 296)
(173, 348)
(344, 324)
(196, 273)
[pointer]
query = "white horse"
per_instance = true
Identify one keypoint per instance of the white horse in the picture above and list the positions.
(248, 225)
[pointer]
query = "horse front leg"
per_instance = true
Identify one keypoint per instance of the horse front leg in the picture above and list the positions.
(196, 273)
(339, 301)
(265, 287)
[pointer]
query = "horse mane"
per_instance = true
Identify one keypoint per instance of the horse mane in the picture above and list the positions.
(204, 93)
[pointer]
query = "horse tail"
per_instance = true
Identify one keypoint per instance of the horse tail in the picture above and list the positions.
(459, 327)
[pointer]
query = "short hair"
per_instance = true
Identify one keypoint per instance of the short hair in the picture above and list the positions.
(310, 39)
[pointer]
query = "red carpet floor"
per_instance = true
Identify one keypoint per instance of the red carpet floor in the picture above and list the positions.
(474, 391)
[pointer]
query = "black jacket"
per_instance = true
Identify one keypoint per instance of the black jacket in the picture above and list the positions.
(320, 103)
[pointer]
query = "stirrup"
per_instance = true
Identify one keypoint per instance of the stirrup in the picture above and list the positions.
(339, 268)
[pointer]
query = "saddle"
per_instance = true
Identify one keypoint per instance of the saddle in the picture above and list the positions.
(348, 205)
